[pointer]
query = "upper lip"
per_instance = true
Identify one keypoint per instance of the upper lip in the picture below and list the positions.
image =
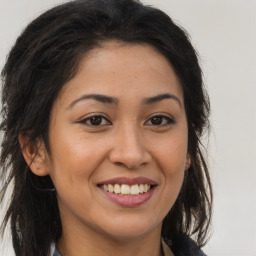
(129, 181)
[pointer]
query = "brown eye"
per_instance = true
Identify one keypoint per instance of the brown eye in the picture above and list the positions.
(160, 120)
(156, 120)
(95, 121)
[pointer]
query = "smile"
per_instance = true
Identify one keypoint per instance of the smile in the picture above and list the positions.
(125, 189)
(128, 192)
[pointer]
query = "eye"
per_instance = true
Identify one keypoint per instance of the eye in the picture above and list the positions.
(160, 120)
(96, 120)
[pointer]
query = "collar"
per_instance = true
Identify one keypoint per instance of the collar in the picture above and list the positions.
(54, 251)
(166, 250)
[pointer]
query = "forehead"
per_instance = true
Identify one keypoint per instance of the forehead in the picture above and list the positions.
(117, 67)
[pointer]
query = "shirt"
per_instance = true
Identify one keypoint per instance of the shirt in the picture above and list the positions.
(165, 248)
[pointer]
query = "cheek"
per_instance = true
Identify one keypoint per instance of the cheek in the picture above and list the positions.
(74, 163)
(171, 156)
(74, 158)
(173, 169)
(171, 153)
(174, 164)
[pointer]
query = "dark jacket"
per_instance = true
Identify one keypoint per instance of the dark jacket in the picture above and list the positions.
(186, 248)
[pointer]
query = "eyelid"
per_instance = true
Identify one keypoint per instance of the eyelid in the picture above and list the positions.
(170, 120)
(91, 115)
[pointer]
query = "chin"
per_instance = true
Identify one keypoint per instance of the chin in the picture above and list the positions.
(129, 229)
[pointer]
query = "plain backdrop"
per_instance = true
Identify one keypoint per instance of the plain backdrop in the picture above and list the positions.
(224, 33)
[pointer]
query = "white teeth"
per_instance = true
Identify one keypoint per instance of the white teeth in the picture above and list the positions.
(146, 187)
(135, 189)
(110, 188)
(117, 189)
(125, 189)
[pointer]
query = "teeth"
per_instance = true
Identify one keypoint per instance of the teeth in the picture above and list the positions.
(146, 187)
(141, 188)
(135, 189)
(125, 189)
(110, 188)
(117, 189)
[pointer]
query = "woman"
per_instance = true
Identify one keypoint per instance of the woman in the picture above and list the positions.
(103, 110)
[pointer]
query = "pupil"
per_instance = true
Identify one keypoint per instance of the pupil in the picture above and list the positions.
(157, 120)
(96, 120)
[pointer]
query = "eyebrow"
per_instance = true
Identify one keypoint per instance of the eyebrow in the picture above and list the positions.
(97, 97)
(113, 100)
(161, 97)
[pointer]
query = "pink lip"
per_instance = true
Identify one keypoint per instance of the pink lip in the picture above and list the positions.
(126, 200)
(129, 181)
(129, 201)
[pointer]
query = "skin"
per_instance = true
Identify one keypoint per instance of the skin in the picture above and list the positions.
(126, 143)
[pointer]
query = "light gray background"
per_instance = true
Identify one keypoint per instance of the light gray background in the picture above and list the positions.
(224, 33)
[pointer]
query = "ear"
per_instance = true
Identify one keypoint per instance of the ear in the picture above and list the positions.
(188, 162)
(35, 155)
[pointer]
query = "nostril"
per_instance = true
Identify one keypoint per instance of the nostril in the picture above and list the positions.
(120, 164)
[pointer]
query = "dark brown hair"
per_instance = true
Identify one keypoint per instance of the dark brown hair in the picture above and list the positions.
(46, 56)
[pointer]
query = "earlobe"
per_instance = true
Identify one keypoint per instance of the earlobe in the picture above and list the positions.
(188, 162)
(35, 155)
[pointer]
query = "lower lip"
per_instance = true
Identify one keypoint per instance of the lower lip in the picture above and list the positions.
(129, 201)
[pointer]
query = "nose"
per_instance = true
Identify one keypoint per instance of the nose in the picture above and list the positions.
(129, 149)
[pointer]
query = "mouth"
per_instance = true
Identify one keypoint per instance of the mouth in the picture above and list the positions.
(128, 192)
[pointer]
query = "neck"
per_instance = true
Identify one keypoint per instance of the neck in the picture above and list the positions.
(86, 243)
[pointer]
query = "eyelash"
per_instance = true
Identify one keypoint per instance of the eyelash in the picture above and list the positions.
(90, 118)
(168, 121)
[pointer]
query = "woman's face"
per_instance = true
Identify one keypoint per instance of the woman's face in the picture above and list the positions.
(119, 125)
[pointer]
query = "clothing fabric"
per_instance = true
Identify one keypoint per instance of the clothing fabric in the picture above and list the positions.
(54, 251)
(189, 249)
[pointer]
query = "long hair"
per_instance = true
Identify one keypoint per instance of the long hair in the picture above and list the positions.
(45, 57)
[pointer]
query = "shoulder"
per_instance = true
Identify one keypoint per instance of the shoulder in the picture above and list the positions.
(187, 247)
